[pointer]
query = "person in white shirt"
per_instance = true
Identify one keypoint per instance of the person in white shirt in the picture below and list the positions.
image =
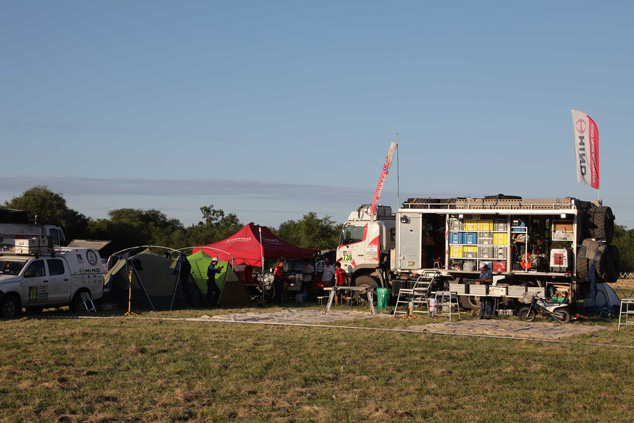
(307, 275)
(329, 272)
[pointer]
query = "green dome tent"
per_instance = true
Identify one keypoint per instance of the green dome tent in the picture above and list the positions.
(233, 293)
(156, 283)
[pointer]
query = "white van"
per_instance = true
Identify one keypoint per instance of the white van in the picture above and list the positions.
(55, 279)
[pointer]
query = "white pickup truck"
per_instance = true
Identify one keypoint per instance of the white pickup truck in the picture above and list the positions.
(48, 279)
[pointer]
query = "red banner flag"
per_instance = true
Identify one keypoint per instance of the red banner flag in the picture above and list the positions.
(384, 173)
(586, 148)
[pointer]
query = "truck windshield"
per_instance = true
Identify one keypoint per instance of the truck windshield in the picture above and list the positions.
(11, 267)
(352, 234)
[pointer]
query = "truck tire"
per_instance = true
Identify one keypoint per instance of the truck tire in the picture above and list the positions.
(469, 303)
(582, 268)
(613, 265)
(9, 306)
(77, 305)
(601, 223)
(364, 280)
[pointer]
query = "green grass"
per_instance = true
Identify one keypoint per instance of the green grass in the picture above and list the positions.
(138, 370)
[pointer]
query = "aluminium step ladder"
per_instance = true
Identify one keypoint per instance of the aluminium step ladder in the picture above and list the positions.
(87, 300)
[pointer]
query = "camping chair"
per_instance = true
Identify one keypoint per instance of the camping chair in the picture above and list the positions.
(417, 295)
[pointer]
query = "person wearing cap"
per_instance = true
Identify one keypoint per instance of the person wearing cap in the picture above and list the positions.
(213, 292)
(486, 277)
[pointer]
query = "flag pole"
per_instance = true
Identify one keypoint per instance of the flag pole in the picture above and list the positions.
(398, 177)
(262, 254)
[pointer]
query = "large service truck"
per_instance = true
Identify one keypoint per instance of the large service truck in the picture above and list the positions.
(531, 245)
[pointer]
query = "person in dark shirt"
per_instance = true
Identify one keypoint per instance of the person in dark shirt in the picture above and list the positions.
(486, 277)
(278, 281)
(213, 292)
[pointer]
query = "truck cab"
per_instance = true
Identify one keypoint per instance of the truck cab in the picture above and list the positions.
(365, 244)
(40, 279)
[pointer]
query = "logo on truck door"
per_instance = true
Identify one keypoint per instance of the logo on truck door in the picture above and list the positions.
(91, 257)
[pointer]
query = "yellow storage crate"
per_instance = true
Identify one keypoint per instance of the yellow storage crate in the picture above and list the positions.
(500, 239)
(470, 249)
(455, 251)
(470, 225)
(485, 225)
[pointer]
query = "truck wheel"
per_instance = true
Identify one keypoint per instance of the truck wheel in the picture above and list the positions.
(469, 303)
(601, 221)
(77, 305)
(9, 307)
(364, 280)
(527, 314)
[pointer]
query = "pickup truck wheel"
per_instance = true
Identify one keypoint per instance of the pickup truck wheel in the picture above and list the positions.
(77, 305)
(9, 307)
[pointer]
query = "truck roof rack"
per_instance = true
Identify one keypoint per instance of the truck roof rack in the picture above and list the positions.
(496, 202)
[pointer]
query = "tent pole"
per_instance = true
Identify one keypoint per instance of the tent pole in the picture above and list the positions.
(142, 286)
(262, 254)
(178, 277)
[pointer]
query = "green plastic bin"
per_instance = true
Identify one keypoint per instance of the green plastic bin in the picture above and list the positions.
(382, 296)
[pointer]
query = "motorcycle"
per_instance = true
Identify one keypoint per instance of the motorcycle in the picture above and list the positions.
(539, 306)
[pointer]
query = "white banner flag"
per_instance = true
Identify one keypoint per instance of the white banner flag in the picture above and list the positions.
(586, 148)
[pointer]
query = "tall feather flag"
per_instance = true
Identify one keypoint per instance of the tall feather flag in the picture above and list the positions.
(384, 173)
(586, 148)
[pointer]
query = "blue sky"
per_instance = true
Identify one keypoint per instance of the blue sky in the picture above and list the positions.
(273, 109)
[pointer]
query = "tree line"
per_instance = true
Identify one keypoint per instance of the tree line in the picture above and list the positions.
(129, 227)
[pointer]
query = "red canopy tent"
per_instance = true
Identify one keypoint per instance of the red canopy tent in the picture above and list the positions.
(245, 247)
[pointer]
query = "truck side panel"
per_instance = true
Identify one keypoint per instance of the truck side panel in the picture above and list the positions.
(408, 241)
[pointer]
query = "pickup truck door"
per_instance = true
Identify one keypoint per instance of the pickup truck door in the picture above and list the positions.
(58, 281)
(36, 283)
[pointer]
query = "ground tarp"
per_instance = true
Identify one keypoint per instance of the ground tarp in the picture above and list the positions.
(232, 291)
(156, 283)
(244, 247)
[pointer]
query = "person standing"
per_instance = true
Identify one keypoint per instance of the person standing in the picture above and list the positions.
(329, 272)
(486, 276)
(278, 281)
(213, 292)
(307, 275)
(340, 280)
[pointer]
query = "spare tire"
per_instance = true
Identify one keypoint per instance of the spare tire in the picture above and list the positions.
(583, 264)
(601, 223)
(613, 265)
(596, 252)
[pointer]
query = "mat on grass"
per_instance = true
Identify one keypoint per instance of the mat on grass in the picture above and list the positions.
(510, 328)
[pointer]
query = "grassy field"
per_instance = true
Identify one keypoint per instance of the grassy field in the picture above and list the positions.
(138, 370)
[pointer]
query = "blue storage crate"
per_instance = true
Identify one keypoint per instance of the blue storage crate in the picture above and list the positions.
(454, 238)
(471, 238)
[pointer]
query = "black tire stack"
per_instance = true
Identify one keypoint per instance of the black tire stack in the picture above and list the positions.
(598, 231)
